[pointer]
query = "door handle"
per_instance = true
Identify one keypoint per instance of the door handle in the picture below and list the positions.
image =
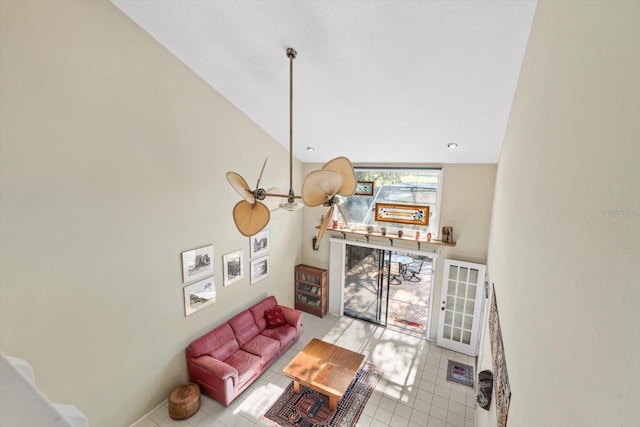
(442, 308)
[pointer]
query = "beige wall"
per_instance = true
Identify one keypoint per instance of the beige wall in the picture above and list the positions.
(113, 161)
(467, 197)
(565, 230)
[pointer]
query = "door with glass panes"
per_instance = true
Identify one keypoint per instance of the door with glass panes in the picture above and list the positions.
(461, 297)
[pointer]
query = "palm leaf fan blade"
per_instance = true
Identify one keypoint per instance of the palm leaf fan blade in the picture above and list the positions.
(250, 218)
(343, 214)
(323, 227)
(319, 186)
(272, 202)
(343, 166)
(240, 185)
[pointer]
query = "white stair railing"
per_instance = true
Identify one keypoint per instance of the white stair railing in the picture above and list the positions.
(23, 404)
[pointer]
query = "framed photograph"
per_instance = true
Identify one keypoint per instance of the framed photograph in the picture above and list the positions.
(402, 214)
(197, 263)
(364, 188)
(260, 244)
(199, 295)
(259, 269)
(233, 267)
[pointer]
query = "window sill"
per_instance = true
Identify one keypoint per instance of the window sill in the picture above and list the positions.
(422, 240)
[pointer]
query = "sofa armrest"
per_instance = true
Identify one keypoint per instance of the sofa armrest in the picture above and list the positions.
(293, 317)
(215, 368)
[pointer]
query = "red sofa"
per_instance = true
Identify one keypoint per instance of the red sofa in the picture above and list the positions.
(226, 360)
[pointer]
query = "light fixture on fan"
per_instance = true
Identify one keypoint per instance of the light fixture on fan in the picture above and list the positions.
(320, 187)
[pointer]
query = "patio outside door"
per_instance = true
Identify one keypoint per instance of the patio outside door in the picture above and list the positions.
(462, 297)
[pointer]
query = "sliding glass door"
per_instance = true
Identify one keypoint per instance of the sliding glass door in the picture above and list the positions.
(366, 284)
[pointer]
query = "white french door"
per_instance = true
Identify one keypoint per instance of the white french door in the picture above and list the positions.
(462, 298)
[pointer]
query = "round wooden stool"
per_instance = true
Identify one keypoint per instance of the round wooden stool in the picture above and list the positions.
(184, 401)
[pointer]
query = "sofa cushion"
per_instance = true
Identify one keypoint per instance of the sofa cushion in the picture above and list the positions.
(244, 327)
(246, 364)
(219, 343)
(285, 334)
(274, 318)
(258, 310)
(264, 347)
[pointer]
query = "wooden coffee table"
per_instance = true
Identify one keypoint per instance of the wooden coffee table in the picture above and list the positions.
(325, 368)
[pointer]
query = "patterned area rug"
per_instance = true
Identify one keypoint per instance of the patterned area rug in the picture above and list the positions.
(311, 409)
(460, 373)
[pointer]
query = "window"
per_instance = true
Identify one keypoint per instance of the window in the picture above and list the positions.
(398, 186)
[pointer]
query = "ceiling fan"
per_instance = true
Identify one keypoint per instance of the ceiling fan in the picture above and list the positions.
(324, 186)
(336, 177)
(253, 213)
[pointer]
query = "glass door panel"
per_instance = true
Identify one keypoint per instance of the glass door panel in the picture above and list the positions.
(366, 284)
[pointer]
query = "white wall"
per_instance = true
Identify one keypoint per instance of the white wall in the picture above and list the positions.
(113, 161)
(565, 230)
(467, 197)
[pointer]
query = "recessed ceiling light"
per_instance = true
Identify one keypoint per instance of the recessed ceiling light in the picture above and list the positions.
(311, 149)
(452, 145)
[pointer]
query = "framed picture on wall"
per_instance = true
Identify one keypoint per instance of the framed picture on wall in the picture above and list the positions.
(197, 263)
(233, 267)
(199, 295)
(402, 214)
(364, 188)
(259, 269)
(260, 244)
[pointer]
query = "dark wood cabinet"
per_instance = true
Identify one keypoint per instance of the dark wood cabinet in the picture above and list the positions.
(311, 289)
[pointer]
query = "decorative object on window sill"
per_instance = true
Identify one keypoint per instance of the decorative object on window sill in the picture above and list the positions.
(370, 229)
(320, 187)
(360, 232)
(400, 233)
(417, 235)
(428, 237)
(447, 234)
(402, 214)
(383, 231)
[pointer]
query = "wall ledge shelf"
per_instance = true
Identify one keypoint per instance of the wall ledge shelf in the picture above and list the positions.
(406, 239)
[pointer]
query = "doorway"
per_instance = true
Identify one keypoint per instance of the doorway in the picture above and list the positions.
(388, 286)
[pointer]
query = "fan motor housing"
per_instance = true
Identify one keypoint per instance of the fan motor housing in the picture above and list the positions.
(260, 194)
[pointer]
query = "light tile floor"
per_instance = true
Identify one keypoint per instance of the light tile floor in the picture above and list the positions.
(413, 390)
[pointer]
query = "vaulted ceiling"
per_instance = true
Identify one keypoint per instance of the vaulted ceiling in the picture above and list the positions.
(377, 81)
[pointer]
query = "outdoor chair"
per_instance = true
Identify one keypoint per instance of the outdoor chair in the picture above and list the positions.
(394, 273)
(413, 271)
